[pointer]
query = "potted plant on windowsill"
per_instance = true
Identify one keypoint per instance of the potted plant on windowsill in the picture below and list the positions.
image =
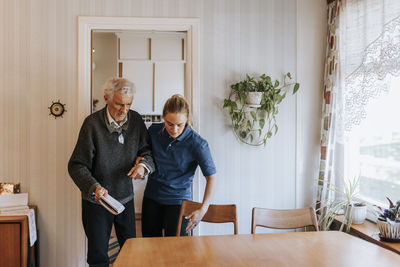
(253, 104)
(389, 222)
(359, 212)
(346, 203)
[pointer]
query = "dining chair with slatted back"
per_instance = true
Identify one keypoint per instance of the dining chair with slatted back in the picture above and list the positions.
(214, 214)
(283, 219)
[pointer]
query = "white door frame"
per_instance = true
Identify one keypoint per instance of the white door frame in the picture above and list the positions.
(87, 24)
(192, 69)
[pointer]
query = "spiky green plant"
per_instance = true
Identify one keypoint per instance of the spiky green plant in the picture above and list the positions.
(344, 200)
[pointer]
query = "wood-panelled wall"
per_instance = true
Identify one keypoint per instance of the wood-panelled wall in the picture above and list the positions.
(38, 65)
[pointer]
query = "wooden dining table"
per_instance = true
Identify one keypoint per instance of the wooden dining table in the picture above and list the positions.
(324, 248)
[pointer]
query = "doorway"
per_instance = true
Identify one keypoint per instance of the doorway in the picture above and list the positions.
(189, 27)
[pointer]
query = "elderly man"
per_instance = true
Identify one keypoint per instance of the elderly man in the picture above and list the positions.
(103, 163)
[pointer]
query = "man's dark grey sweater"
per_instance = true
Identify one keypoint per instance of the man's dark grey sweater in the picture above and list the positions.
(100, 159)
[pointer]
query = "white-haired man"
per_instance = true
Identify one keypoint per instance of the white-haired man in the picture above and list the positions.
(103, 163)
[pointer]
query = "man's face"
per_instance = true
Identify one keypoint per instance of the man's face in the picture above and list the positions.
(118, 106)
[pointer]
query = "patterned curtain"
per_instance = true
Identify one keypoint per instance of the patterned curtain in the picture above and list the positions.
(331, 83)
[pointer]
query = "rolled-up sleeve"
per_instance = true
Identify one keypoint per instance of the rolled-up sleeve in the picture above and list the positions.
(204, 158)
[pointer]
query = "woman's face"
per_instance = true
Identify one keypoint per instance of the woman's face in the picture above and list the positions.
(175, 123)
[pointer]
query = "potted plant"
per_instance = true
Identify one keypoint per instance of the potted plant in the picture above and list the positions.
(346, 203)
(253, 104)
(389, 222)
(359, 212)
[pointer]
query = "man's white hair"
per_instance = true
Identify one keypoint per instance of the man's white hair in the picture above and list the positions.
(121, 85)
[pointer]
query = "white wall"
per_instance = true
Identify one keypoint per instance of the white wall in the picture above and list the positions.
(38, 64)
(311, 49)
(105, 59)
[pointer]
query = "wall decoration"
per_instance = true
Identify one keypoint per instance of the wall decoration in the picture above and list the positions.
(57, 109)
(253, 106)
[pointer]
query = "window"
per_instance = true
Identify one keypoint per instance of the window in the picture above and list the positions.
(373, 147)
(366, 136)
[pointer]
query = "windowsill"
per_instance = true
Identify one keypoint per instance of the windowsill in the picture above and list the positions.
(369, 231)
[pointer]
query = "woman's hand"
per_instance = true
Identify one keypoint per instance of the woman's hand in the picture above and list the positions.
(138, 160)
(195, 218)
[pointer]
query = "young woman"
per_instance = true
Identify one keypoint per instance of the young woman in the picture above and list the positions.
(177, 151)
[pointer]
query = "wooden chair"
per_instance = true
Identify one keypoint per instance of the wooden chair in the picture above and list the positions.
(214, 214)
(283, 219)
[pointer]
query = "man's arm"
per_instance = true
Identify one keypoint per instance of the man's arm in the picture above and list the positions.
(146, 165)
(144, 149)
(80, 163)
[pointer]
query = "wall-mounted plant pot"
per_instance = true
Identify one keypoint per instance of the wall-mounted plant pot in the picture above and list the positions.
(254, 98)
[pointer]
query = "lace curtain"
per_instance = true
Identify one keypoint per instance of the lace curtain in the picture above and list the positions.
(380, 57)
(363, 51)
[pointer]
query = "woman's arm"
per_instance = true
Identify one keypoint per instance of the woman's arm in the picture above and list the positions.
(196, 216)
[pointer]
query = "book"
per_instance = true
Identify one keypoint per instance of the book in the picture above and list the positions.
(12, 200)
(13, 209)
(111, 204)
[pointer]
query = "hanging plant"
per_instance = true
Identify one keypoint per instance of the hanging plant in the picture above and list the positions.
(253, 105)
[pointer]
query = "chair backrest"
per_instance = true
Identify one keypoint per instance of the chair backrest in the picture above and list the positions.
(283, 219)
(214, 214)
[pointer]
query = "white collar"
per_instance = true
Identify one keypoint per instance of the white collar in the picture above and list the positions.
(113, 122)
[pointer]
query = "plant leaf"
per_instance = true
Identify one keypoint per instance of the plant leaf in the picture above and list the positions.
(296, 87)
(253, 114)
(234, 105)
(243, 98)
(390, 203)
(251, 138)
(261, 122)
(276, 128)
(244, 125)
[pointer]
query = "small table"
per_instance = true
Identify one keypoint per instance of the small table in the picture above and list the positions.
(14, 240)
(331, 248)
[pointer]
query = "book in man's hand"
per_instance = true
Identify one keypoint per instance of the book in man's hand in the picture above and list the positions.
(111, 204)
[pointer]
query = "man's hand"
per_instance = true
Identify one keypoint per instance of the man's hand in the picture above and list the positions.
(195, 218)
(100, 191)
(137, 172)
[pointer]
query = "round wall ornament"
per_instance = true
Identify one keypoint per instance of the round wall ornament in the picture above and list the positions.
(57, 109)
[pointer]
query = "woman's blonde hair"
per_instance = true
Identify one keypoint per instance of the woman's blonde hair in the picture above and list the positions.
(177, 104)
